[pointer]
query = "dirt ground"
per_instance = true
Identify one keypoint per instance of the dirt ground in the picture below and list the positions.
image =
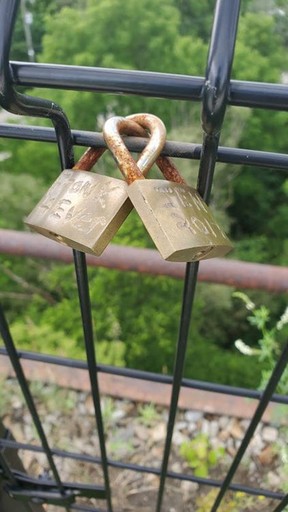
(135, 434)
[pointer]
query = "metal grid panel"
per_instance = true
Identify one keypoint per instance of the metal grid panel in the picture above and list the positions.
(215, 92)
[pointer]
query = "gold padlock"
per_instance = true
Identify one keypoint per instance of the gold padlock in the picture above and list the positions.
(176, 217)
(84, 210)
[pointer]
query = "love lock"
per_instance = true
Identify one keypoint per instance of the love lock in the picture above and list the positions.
(84, 210)
(174, 214)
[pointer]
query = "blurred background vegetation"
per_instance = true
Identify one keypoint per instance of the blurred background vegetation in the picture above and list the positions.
(136, 317)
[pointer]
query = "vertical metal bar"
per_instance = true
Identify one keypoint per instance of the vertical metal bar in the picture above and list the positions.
(187, 303)
(85, 306)
(267, 394)
(26, 105)
(216, 87)
(282, 505)
(10, 347)
(22, 104)
(215, 95)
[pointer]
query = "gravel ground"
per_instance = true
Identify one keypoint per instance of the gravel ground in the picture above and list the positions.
(136, 433)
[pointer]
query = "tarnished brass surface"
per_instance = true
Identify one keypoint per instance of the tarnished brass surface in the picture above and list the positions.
(178, 220)
(84, 210)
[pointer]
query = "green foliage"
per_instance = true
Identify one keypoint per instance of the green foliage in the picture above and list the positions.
(18, 195)
(200, 455)
(108, 410)
(206, 361)
(281, 450)
(136, 317)
(232, 502)
(260, 55)
(143, 40)
(148, 414)
(43, 338)
(196, 17)
(176, 42)
(4, 397)
(269, 340)
(39, 10)
(50, 395)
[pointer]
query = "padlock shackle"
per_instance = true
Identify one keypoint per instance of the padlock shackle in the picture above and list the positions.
(92, 154)
(137, 125)
(169, 170)
(165, 164)
(88, 159)
(156, 127)
(132, 127)
(116, 125)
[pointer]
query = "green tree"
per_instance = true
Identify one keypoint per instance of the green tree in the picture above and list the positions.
(38, 9)
(137, 317)
(143, 40)
(258, 193)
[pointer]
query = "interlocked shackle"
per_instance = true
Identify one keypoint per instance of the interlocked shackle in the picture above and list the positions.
(176, 217)
(84, 210)
(139, 123)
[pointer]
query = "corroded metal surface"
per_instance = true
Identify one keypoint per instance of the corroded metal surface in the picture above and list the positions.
(84, 210)
(90, 157)
(115, 126)
(238, 274)
(175, 216)
(169, 170)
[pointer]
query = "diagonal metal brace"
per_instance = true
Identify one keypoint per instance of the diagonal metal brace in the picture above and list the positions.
(43, 490)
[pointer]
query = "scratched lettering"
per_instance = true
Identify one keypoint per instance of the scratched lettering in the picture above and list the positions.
(86, 222)
(61, 207)
(197, 226)
(181, 197)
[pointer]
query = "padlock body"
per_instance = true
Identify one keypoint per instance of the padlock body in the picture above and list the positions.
(82, 210)
(178, 220)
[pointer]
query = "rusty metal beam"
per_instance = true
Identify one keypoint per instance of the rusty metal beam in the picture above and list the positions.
(238, 274)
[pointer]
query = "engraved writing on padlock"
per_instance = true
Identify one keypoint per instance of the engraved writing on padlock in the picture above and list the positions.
(84, 210)
(76, 204)
(192, 217)
(177, 219)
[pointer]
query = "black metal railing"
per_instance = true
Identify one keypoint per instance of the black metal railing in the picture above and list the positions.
(215, 91)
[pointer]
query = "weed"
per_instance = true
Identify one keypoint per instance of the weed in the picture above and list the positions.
(232, 502)
(148, 414)
(199, 454)
(270, 346)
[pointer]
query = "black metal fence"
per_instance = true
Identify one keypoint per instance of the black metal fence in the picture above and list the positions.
(215, 91)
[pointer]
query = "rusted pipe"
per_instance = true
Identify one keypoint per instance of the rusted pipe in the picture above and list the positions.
(238, 274)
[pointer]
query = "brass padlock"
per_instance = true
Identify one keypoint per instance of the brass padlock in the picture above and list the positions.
(176, 217)
(84, 210)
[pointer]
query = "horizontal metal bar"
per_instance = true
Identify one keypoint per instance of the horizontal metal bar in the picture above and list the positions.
(234, 273)
(177, 149)
(148, 376)
(144, 83)
(142, 469)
